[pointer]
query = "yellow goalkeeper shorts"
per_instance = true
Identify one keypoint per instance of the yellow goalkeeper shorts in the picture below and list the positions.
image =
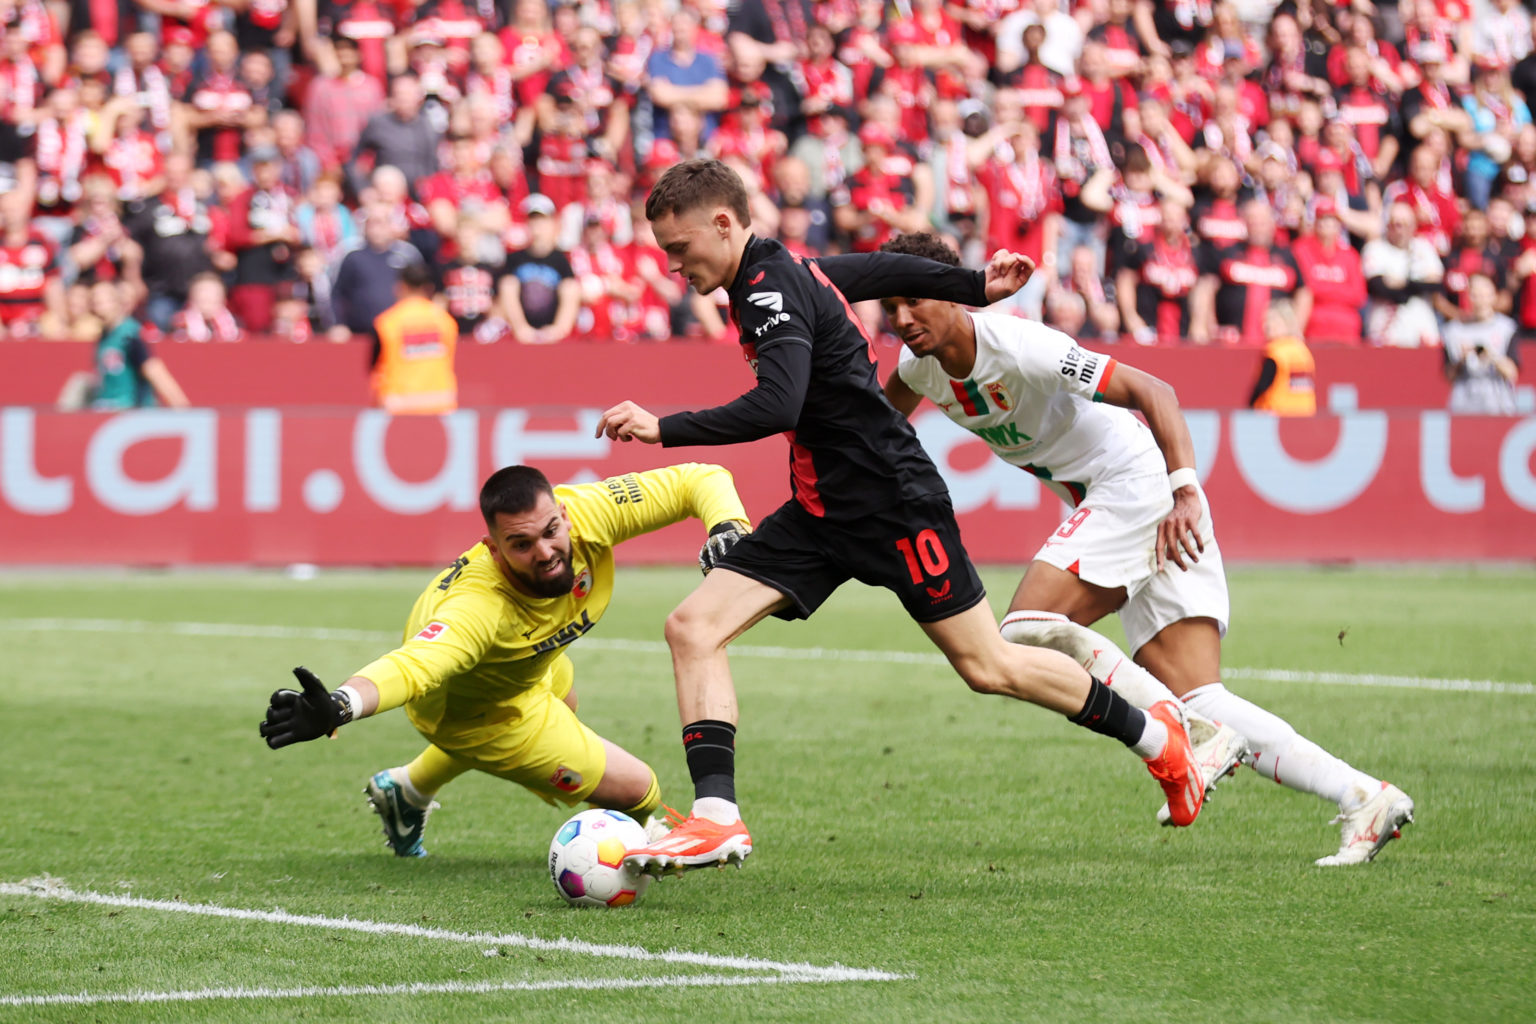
(546, 749)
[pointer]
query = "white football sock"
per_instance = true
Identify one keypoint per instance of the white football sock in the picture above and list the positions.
(1094, 651)
(415, 797)
(717, 810)
(1153, 739)
(1281, 753)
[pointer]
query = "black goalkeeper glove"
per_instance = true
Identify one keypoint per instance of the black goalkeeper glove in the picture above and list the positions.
(294, 717)
(722, 537)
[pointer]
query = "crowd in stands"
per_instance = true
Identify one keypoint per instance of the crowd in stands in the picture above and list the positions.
(243, 168)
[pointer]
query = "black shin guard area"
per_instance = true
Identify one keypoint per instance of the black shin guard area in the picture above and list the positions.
(710, 747)
(1110, 714)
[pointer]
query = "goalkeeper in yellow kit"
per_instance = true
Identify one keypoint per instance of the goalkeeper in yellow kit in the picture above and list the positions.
(482, 671)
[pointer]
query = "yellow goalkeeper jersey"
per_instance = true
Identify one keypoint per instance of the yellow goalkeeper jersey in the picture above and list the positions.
(475, 649)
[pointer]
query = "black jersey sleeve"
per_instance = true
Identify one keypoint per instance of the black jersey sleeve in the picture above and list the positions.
(772, 407)
(891, 275)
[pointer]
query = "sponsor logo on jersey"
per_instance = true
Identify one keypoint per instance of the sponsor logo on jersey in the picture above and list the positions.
(767, 300)
(756, 278)
(566, 779)
(565, 635)
(938, 595)
(432, 631)
(1004, 435)
(1079, 365)
(770, 324)
(583, 585)
(999, 395)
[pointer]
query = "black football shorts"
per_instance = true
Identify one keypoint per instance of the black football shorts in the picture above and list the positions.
(913, 550)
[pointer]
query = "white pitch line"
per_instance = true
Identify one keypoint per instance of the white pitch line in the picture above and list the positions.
(415, 988)
(50, 889)
(235, 630)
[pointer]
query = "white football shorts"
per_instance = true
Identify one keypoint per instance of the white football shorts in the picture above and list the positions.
(1110, 540)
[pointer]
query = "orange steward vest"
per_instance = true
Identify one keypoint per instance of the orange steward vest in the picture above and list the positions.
(414, 374)
(1293, 391)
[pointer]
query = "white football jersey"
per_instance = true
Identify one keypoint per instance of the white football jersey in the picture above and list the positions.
(1034, 397)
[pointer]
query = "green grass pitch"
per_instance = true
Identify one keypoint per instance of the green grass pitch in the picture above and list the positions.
(988, 860)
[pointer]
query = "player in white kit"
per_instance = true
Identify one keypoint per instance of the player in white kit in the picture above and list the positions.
(1139, 542)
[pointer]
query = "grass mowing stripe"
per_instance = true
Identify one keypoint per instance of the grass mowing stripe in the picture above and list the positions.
(414, 988)
(50, 889)
(235, 630)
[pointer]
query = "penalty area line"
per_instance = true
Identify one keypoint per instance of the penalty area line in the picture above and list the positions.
(414, 988)
(52, 889)
(245, 631)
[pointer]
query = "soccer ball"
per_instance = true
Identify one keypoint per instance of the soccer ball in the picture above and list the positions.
(586, 860)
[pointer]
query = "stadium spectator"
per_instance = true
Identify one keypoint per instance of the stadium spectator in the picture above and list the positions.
(128, 152)
(399, 136)
(680, 75)
(414, 348)
(217, 107)
(1480, 355)
(30, 281)
(464, 192)
(337, 106)
(1132, 198)
(1083, 304)
(364, 284)
(262, 234)
(300, 165)
(1402, 271)
(533, 49)
(1430, 105)
(1238, 282)
(469, 285)
(1286, 385)
(1156, 279)
(1079, 150)
(537, 291)
(610, 298)
(560, 169)
(596, 98)
(1497, 113)
(1059, 49)
(128, 374)
(100, 246)
(172, 229)
(1030, 90)
(1472, 253)
(206, 316)
(325, 223)
(1330, 270)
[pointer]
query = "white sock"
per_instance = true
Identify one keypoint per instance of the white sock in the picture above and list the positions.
(413, 796)
(717, 810)
(1153, 739)
(1283, 754)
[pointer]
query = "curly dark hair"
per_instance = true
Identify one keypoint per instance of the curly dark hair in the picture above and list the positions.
(925, 244)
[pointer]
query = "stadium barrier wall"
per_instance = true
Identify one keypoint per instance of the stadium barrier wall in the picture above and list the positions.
(266, 486)
(674, 375)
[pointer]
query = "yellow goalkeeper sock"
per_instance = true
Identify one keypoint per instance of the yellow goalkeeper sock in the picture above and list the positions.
(431, 771)
(647, 804)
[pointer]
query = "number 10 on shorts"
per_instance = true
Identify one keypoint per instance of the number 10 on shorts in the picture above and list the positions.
(925, 555)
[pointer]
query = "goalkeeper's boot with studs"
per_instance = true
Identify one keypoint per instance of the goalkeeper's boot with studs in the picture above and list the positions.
(1175, 768)
(404, 822)
(1369, 827)
(1218, 751)
(695, 843)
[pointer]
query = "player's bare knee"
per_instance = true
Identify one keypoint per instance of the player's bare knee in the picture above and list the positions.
(687, 632)
(986, 677)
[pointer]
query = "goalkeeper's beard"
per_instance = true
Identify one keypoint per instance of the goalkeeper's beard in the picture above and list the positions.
(542, 585)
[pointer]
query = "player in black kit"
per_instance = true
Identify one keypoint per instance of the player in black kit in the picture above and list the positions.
(867, 503)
